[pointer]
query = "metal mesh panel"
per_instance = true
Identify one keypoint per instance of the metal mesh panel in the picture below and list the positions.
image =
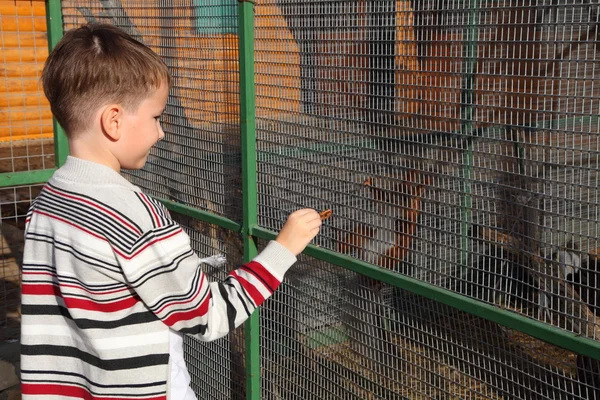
(330, 334)
(216, 368)
(14, 203)
(25, 117)
(455, 141)
(198, 161)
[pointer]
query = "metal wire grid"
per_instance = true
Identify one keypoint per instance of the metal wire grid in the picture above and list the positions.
(508, 202)
(25, 117)
(216, 368)
(378, 342)
(198, 161)
(14, 203)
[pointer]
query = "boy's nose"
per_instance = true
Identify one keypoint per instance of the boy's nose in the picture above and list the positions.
(161, 133)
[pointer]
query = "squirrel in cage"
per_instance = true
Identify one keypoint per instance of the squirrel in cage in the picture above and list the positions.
(400, 200)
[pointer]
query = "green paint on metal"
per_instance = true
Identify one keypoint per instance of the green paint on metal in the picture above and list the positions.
(466, 130)
(344, 148)
(214, 17)
(25, 177)
(509, 319)
(202, 215)
(566, 123)
(54, 26)
(249, 184)
(492, 132)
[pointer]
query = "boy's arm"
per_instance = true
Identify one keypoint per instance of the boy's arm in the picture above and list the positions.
(168, 277)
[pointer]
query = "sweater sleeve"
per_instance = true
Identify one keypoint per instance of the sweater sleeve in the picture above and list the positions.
(168, 277)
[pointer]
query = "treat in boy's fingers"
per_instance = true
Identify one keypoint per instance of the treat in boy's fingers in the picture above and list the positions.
(325, 214)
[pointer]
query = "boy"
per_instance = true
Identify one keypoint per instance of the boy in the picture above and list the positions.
(110, 281)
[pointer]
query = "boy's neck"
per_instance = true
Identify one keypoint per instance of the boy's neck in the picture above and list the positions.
(93, 152)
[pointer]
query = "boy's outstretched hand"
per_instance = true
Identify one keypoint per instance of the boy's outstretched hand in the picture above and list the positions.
(299, 229)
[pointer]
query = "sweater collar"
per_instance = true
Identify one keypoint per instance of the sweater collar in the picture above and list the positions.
(83, 172)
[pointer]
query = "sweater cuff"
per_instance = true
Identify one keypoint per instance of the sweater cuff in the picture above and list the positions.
(276, 258)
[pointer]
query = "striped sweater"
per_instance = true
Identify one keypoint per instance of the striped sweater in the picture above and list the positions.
(106, 274)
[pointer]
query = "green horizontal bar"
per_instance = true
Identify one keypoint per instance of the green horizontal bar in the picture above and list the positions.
(299, 152)
(565, 122)
(358, 145)
(25, 177)
(509, 319)
(201, 215)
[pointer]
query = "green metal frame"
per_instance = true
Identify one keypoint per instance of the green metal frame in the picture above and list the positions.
(509, 319)
(249, 183)
(466, 130)
(251, 231)
(54, 27)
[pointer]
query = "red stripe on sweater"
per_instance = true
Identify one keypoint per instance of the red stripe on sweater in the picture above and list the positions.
(90, 305)
(76, 303)
(258, 269)
(202, 283)
(40, 289)
(97, 206)
(199, 312)
(256, 296)
(152, 209)
(70, 223)
(178, 231)
(32, 389)
(99, 291)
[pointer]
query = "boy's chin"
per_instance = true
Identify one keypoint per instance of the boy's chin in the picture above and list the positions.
(135, 165)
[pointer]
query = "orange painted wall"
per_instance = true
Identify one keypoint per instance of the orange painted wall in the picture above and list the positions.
(24, 110)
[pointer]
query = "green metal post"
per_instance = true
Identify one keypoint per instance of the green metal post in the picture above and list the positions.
(466, 129)
(249, 185)
(54, 24)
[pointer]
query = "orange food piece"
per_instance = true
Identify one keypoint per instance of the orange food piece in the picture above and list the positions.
(325, 214)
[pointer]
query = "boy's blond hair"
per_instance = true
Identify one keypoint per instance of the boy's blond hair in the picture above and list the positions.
(99, 64)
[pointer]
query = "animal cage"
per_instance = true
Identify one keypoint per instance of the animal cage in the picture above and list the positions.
(457, 144)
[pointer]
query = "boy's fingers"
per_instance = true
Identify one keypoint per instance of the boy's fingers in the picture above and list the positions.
(306, 214)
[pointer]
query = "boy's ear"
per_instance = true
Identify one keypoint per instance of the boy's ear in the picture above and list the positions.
(111, 121)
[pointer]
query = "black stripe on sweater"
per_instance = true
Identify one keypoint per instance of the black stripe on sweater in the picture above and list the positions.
(95, 201)
(193, 285)
(83, 257)
(162, 269)
(155, 210)
(84, 323)
(257, 276)
(162, 211)
(26, 372)
(90, 219)
(116, 364)
(148, 210)
(246, 300)
(231, 311)
(90, 209)
(29, 267)
(152, 235)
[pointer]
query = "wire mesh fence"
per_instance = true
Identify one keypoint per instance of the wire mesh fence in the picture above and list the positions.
(455, 141)
(14, 203)
(197, 163)
(25, 140)
(332, 334)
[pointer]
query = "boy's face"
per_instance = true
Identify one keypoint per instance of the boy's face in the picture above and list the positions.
(141, 129)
